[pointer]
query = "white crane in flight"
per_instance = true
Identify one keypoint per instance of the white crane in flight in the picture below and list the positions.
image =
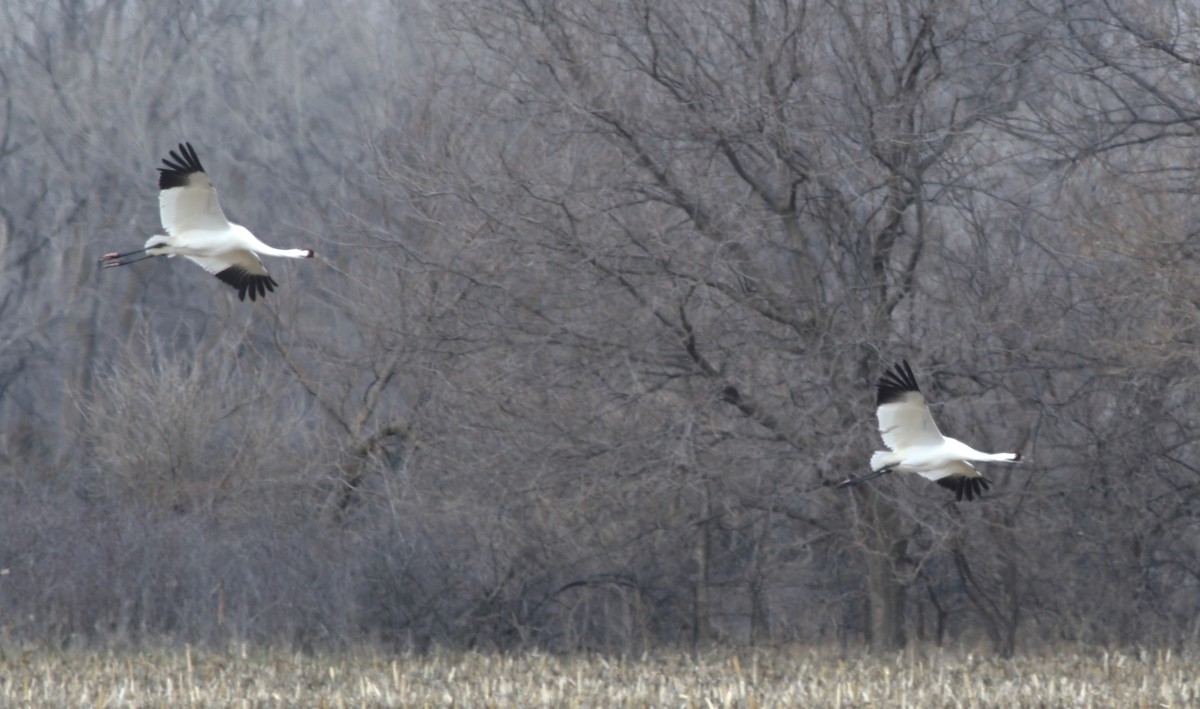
(198, 230)
(917, 446)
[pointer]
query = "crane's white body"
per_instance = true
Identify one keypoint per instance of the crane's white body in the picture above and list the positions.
(215, 250)
(917, 446)
(198, 230)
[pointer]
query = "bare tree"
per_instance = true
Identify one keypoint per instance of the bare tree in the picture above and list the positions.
(764, 184)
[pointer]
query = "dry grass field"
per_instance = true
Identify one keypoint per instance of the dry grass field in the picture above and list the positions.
(749, 678)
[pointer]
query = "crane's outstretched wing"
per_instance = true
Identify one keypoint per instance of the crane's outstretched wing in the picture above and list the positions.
(240, 269)
(904, 419)
(188, 199)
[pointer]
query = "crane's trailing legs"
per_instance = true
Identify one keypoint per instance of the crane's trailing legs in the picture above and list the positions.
(869, 476)
(113, 259)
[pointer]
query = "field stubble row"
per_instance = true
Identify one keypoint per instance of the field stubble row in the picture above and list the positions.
(742, 678)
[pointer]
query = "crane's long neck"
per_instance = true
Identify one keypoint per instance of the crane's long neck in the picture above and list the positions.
(968, 453)
(262, 249)
(995, 457)
(285, 253)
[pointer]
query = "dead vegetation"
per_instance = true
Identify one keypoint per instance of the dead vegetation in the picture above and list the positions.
(778, 677)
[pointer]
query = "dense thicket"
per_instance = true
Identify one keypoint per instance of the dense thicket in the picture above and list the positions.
(601, 294)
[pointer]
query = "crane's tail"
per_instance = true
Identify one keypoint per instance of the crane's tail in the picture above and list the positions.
(159, 240)
(881, 464)
(881, 459)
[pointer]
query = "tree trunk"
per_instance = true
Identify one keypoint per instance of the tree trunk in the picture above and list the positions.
(701, 630)
(886, 589)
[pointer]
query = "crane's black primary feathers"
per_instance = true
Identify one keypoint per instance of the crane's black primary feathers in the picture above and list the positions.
(246, 282)
(894, 384)
(175, 174)
(965, 487)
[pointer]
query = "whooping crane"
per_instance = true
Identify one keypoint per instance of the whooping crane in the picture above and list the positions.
(198, 230)
(917, 446)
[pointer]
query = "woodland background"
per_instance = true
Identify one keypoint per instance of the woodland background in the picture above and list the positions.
(602, 293)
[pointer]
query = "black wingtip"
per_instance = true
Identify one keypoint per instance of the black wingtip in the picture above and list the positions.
(895, 383)
(247, 283)
(963, 486)
(181, 165)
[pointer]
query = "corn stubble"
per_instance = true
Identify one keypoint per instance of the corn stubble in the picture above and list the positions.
(747, 678)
